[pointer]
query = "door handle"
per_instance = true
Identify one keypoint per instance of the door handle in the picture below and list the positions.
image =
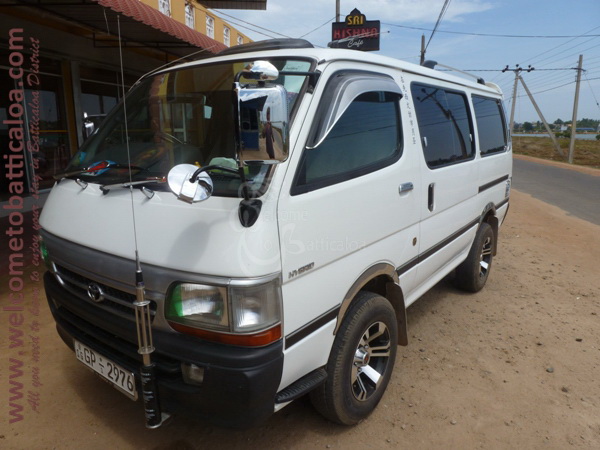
(405, 187)
(430, 197)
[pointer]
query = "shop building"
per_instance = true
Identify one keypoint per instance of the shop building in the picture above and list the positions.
(60, 61)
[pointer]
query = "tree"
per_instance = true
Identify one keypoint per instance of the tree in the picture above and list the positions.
(527, 126)
(587, 123)
(558, 122)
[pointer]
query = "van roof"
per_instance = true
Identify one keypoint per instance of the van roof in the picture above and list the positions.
(303, 49)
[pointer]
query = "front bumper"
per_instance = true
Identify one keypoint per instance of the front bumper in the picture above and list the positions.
(239, 383)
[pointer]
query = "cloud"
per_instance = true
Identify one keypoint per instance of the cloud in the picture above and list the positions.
(420, 12)
(294, 19)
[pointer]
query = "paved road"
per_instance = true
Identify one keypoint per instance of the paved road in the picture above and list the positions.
(575, 192)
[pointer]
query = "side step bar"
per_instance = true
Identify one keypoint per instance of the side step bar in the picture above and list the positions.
(302, 386)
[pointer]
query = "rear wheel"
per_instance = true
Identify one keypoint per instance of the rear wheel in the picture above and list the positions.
(473, 272)
(361, 361)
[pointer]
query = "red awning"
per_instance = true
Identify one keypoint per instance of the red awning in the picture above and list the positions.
(145, 14)
(141, 25)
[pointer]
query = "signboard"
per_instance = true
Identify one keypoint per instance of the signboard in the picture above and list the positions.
(356, 32)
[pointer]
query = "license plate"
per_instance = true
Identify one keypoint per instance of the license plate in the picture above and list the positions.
(110, 371)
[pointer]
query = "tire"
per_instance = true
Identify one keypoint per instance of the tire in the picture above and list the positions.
(472, 273)
(361, 361)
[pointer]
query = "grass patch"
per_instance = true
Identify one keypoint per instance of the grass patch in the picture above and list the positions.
(587, 152)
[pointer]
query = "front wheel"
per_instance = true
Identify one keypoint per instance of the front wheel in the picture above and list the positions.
(473, 272)
(361, 361)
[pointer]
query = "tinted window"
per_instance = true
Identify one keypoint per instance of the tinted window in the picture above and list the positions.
(490, 125)
(444, 124)
(365, 138)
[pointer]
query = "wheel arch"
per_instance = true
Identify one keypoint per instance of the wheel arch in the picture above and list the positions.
(489, 216)
(381, 279)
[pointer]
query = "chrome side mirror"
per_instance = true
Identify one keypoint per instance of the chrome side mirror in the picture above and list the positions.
(263, 119)
(261, 115)
(179, 180)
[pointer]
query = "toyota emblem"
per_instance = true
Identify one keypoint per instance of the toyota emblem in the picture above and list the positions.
(95, 293)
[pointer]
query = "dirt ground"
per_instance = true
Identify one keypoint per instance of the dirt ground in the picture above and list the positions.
(586, 151)
(514, 366)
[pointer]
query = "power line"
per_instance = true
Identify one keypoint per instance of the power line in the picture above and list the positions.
(550, 89)
(557, 87)
(254, 25)
(586, 34)
(570, 48)
(521, 36)
(318, 28)
(439, 20)
(553, 78)
(546, 79)
(239, 25)
(583, 35)
(593, 94)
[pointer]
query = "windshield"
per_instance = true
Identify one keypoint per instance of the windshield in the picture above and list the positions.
(182, 116)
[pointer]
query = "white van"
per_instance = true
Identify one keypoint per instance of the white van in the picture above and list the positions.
(285, 205)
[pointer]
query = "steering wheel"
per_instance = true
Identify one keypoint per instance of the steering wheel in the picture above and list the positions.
(169, 137)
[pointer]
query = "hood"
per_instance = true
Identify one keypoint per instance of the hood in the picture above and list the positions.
(203, 238)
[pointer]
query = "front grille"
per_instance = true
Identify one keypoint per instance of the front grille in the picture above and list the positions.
(116, 301)
(114, 347)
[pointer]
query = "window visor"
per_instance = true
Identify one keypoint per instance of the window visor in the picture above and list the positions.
(341, 89)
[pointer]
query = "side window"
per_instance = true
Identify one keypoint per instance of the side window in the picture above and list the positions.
(444, 124)
(365, 138)
(491, 125)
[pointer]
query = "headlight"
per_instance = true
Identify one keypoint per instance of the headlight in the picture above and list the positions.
(45, 254)
(198, 305)
(255, 308)
(241, 314)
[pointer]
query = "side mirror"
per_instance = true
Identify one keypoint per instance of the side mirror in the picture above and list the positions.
(179, 182)
(263, 117)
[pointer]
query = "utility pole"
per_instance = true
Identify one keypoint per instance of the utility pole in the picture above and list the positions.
(556, 144)
(575, 105)
(337, 10)
(422, 49)
(517, 72)
(514, 97)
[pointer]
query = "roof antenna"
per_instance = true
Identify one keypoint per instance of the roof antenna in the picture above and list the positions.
(154, 416)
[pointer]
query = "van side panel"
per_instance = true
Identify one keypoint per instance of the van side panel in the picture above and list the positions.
(338, 254)
(448, 210)
(330, 236)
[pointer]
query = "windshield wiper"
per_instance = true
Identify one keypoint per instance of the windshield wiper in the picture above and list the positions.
(105, 188)
(97, 167)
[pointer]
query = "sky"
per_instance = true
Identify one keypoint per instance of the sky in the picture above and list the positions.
(485, 56)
